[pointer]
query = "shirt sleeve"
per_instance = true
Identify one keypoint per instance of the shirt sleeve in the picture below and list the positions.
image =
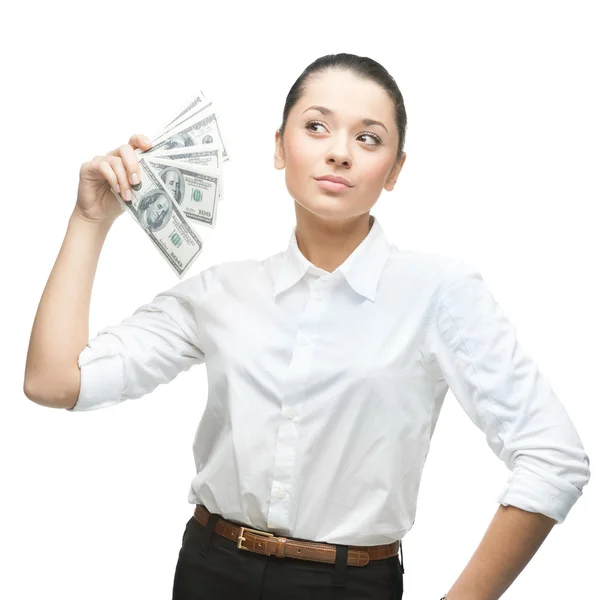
(150, 347)
(505, 394)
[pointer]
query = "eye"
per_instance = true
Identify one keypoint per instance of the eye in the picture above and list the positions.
(376, 138)
(316, 123)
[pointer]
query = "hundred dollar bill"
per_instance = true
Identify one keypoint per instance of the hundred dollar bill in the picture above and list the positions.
(152, 207)
(194, 189)
(197, 105)
(202, 128)
(198, 100)
(188, 117)
(208, 156)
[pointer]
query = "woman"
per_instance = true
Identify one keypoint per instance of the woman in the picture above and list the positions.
(327, 364)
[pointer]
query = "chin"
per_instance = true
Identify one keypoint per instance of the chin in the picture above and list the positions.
(328, 209)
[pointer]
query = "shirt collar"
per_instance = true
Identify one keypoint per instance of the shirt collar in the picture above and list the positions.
(362, 269)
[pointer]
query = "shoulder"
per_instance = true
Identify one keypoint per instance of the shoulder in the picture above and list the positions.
(433, 276)
(430, 267)
(228, 275)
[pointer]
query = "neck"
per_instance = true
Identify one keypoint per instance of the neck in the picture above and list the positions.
(327, 244)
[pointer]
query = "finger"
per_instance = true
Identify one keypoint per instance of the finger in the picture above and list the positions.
(138, 140)
(129, 158)
(111, 167)
(107, 172)
(120, 171)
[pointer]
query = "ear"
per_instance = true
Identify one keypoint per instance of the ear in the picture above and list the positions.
(394, 173)
(279, 159)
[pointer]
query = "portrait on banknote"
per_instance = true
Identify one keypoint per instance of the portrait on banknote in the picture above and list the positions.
(154, 210)
(174, 182)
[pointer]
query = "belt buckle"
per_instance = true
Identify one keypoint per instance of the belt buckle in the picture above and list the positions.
(241, 537)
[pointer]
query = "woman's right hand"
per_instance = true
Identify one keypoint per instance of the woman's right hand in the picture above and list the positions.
(95, 200)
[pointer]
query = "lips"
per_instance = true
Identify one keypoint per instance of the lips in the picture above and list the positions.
(334, 179)
(332, 186)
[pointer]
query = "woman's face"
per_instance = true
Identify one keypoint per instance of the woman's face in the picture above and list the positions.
(339, 143)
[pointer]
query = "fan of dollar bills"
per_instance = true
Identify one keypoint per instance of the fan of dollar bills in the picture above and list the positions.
(181, 183)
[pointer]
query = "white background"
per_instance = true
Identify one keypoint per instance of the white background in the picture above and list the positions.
(502, 171)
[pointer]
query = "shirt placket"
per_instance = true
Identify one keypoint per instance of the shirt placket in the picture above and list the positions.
(292, 397)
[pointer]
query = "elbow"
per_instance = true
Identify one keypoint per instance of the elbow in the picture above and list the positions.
(54, 392)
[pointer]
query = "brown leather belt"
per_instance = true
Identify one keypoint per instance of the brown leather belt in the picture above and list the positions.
(262, 542)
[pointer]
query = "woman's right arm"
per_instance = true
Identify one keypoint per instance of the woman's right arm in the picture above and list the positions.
(61, 326)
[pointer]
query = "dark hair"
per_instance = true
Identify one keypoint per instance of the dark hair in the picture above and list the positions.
(364, 68)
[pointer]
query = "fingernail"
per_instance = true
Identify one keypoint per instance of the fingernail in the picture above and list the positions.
(118, 188)
(134, 179)
(146, 140)
(128, 195)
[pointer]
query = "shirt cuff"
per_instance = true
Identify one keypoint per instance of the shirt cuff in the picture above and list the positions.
(529, 492)
(101, 379)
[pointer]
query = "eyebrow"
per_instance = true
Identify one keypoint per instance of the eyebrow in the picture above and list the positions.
(327, 111)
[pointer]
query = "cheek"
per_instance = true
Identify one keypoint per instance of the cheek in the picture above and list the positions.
(375, 167)
(299, 150)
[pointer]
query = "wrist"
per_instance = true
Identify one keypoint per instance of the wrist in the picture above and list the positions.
(78, 217)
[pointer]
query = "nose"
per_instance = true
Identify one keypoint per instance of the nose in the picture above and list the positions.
(339, 154)
(334, 160)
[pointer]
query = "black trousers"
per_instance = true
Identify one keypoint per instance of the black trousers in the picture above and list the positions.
(211, 567)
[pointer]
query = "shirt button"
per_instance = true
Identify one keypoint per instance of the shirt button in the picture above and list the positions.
(281, 493)
(289, 413)
(318, 295)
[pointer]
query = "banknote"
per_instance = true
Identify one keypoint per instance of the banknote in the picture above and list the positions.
(208, 156)
(193, 188)
(189, 109)
(201, 128)
(162, 219)
(194, 107)
(187, 116)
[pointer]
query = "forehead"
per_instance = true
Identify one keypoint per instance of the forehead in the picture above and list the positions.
(347, 96)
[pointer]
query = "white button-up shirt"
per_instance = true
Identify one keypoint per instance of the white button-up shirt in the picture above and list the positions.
(324, 389)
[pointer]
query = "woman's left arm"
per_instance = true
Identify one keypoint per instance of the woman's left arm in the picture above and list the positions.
(508, 397)
(511, 540)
